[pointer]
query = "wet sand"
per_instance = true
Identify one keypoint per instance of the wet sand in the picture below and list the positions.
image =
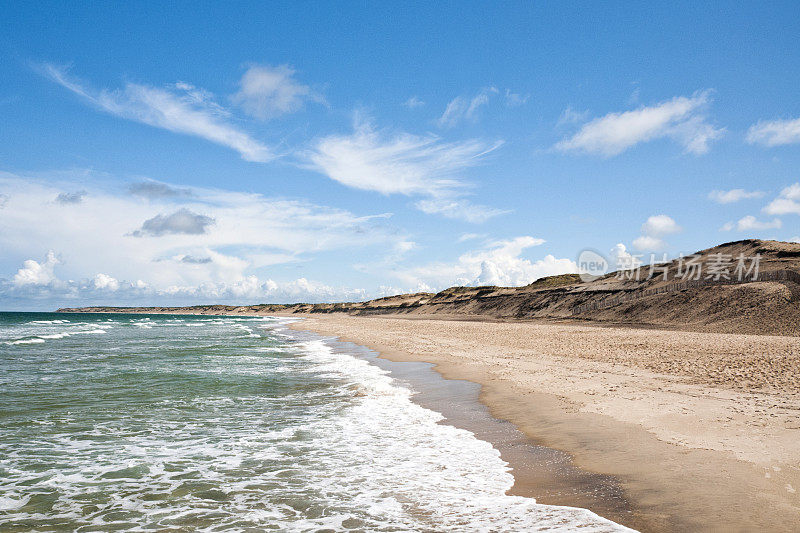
(683, 431)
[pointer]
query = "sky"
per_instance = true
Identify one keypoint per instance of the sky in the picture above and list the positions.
(303, 152)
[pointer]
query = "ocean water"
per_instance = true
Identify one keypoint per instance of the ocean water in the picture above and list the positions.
(175, 423)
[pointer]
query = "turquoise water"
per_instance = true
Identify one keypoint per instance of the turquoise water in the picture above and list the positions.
(168, 423)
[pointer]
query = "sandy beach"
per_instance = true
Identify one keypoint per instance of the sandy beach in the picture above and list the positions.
(701, 430)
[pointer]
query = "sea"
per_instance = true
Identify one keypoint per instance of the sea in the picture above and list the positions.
(112, 422)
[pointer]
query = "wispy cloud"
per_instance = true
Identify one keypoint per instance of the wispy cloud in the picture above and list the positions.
(464, 108)
(733, 195)
(413, 103)
(516, 99)
(180, 109)
(404, 164)
(680, 119)
(459, 209)
(267, 92)
(775, 132)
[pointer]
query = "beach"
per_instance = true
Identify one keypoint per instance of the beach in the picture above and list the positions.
(701, 430)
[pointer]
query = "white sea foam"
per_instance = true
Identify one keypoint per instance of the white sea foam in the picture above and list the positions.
(35, 340)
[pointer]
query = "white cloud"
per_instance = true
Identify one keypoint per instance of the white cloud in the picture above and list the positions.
(648, 243)
(34, 273)
(103, 289)
(775, 132)
(251, 233)
(413, 103)
(787, 203)
(656, 227)
(621, 258)
(659, 225)
(267, 92)
(733, 195)
(679, 119)
(404, 164)
(728, 226)
(463, 108)
(106, 282)
(750, 223)
(187, 111)
(795, 239)
(498, 263)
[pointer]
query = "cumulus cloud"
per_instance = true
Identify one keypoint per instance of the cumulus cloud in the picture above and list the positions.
(156, 190)
(750, 223)
(103, 289)
(775, 132)
(35, 273)
(621, 258)
(105, 282)
(498, 263)
(67, 198)
(733, 195)
(787, 203)
(267, 92)
(659, 225)
(680, 119)
(653, 230)
(404, 164)
(181, 221)
(182, 109)
(464, 108)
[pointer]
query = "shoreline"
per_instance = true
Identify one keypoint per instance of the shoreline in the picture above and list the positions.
(702, 479)
(539, 472)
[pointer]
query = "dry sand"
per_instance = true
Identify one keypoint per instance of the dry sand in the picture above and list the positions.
(701, 430)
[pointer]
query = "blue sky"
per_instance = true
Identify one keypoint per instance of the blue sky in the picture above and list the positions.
(257, 152)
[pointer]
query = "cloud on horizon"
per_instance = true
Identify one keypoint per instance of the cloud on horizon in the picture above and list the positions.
(496, 263)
